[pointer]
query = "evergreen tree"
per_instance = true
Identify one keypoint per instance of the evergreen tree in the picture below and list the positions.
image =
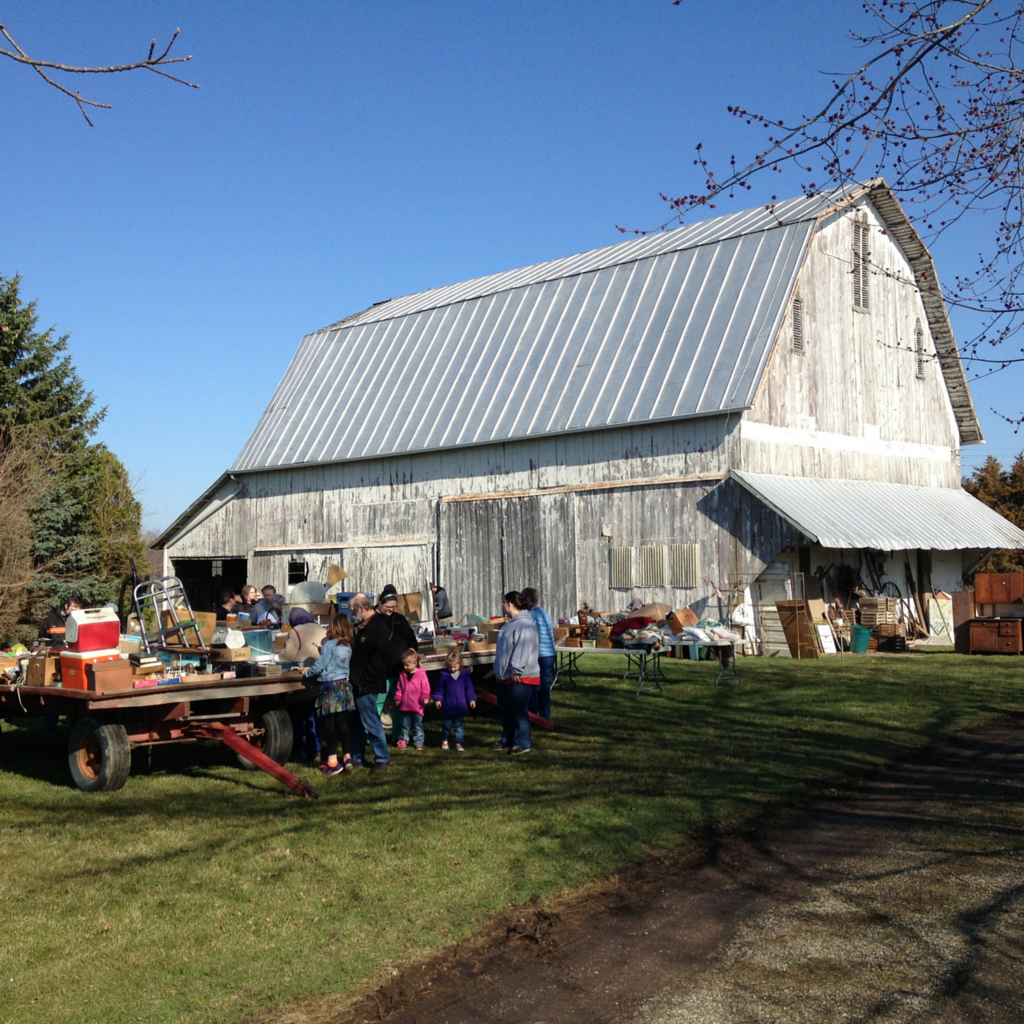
(38, 382)
(83, 519)
(1002, 490)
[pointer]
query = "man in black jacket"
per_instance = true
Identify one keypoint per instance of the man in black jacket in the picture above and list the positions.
(368, 675)
(401, 638)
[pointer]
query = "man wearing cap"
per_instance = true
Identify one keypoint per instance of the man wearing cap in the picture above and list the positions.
(368, 675)
(400, 639)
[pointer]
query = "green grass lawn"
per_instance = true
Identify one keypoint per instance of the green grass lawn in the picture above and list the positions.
(201, 892)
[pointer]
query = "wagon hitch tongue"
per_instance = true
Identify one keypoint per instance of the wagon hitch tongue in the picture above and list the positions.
(239, 744)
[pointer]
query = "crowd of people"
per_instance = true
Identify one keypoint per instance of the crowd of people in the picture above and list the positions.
(370, 677)
(369, 665)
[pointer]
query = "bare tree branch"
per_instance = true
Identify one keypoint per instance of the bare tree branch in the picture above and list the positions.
(936, 106)
(153, 62)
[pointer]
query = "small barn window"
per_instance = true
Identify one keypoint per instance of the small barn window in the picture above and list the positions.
(685, 566)
(919, 349)
(798, 326)
(653, 565)
(861, 261)
(621, 564)
(217, 567)
(297, 573)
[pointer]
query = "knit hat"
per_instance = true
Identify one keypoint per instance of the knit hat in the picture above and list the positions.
(299, 617)
(388, 594)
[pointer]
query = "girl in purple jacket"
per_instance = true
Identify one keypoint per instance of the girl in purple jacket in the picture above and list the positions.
(455, 696)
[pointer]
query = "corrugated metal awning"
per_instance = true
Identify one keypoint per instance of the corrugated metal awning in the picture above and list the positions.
(882, 516)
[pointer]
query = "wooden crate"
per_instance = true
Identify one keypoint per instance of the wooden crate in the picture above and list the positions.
(876, 611)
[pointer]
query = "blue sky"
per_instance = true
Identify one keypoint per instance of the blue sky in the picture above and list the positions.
(338, 154)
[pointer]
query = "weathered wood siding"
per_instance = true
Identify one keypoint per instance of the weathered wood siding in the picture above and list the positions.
(397, 518)
(851, 405)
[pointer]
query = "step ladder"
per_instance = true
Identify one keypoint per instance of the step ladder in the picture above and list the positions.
(168, 606)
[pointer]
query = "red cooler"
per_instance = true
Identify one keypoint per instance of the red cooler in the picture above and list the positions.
(73, 665)
(92, 629)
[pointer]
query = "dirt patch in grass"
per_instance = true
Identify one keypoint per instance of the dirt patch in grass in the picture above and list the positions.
(899, 899)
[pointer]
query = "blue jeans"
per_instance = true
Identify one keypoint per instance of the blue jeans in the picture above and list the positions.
(364, 723)
(513, 705)
(411, 721)
(540, 701)
(452, 728)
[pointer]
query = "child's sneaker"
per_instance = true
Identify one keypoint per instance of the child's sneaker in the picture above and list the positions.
(419, 746)
(401, 744)
(334, 769)
(348, 766)
(459, 747)
(444, 745)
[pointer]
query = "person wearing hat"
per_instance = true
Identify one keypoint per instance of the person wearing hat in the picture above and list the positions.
(368, 675)
(401, 638)
(305, 638)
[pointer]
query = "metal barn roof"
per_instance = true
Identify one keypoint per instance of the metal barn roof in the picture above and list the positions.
(662, 327)
(882, 516)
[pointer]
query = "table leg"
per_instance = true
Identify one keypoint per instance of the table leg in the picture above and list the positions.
(566, 665)
(646, 674)
(725, 656)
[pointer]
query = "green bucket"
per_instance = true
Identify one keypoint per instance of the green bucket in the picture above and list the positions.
(859, 637)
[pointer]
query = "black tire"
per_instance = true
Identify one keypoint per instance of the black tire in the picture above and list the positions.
(99, 755)
(274, 739)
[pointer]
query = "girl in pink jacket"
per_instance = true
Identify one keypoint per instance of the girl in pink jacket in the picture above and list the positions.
(411, 696)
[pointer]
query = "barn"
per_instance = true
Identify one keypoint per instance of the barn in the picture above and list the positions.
(674, 417)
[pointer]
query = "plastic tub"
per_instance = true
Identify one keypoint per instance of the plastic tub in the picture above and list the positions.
(859, 637)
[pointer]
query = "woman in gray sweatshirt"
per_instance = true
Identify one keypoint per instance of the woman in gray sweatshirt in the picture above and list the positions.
(517, 671)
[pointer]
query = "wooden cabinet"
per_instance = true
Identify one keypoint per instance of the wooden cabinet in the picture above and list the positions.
(996, 636)
(998, 587)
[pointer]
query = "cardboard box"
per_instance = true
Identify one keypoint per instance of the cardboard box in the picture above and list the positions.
(41, 670)
(492, 636)
(206, 622)
(603, 644)
(561, 632)
(130, 644)
(603, 632)
(482, 645)
(231, 654)
(109, 676)
(572, 641)
(679, 620)
(411, 606)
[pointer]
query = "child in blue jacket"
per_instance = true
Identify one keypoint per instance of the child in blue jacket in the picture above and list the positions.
(334, 699)
(455, 696)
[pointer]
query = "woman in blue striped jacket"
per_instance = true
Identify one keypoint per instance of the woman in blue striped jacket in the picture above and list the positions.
(540, 700)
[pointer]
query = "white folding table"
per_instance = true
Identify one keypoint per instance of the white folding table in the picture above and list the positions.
(646, 661)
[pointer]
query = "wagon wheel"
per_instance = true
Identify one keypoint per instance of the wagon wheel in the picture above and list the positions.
(274, 737)
(889, 589)
(99, 755)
